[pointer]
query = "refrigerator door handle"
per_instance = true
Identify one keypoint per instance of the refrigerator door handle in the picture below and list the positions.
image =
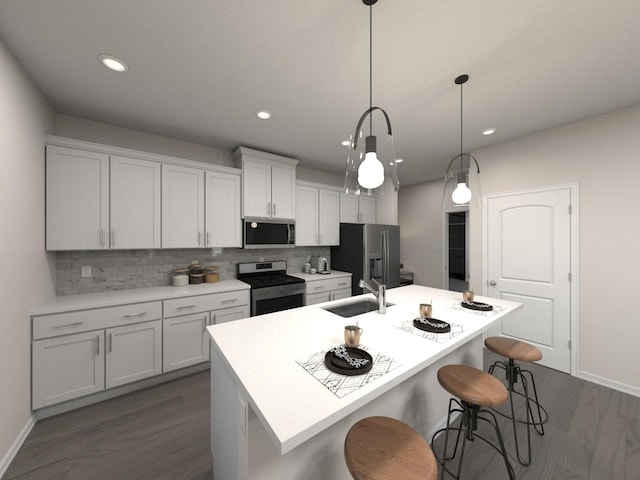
(384, 257)
(388, 255)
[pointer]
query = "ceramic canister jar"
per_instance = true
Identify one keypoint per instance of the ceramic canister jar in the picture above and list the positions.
(180, 277)
(211, 274)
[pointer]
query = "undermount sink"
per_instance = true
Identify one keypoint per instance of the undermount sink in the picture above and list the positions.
(356, 308)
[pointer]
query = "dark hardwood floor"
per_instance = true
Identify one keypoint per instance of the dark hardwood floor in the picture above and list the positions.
(162, 433)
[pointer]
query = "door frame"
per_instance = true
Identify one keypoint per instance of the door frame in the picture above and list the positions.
(574, 315)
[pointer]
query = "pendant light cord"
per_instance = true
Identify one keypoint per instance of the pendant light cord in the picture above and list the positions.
(370, 67)
(461, 123)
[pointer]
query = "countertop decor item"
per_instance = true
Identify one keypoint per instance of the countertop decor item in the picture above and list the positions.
(368, 167)
(462, 179)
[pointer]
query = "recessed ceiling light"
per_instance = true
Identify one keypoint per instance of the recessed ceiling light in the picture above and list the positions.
(263, 114)
(489, 131)
(399, 160)
(113, 63)
(345, 143)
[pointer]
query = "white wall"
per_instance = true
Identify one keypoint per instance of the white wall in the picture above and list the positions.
(421, 232)
(602, 154)
(27, 274)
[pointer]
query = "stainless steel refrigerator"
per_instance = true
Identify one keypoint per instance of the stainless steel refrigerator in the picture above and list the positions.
(368, 251)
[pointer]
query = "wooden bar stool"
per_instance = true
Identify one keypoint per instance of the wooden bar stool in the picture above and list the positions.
(382, 448)
(521, 351)
(475, 389)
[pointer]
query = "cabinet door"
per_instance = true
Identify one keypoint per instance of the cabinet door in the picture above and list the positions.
(67, 367)
(224, 216)
(229, 314)
(256, 189)
(77, 199)
(283, 192)
(328, 218)
(306, 216)
(135, 203)
(133, 352)
(348, 208)
(367, 209)
(184, 341)
(182, 207)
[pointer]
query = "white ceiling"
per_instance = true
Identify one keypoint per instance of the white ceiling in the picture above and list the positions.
(199, 69)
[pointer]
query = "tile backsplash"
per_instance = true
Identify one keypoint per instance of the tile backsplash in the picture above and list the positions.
(124, 269)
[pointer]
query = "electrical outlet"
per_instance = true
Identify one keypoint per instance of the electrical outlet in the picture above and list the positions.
(85, 271)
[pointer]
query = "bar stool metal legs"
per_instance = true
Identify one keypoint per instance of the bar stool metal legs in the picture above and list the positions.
(475, 389)
(536, 415)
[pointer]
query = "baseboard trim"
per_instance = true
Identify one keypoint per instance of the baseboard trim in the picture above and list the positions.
(605, 382)
(15, 446)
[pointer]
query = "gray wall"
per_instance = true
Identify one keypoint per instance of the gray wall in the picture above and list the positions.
(28, 275)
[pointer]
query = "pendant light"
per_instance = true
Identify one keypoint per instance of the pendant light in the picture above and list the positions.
(461, 170)
(367, 169)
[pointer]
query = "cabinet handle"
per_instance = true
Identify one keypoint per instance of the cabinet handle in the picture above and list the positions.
(66, 325)
(185, 307)
(318, 288)
(341, 284)
(214, 317)
(231, 300)
(110, 342)
(102, 237)
(274, 209)
(97, 345)
(112, 240)
(332, 296)
(130, 315)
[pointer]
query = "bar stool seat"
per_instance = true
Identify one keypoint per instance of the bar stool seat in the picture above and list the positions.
(517, 350)
(475, 389)
(383, 448)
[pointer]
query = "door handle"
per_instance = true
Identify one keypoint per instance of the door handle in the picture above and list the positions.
(492, 283)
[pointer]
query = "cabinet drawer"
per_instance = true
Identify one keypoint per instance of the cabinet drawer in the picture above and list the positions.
(94, 319)
(339, 283)
(318, 286)
(204, 303)
(313, 298)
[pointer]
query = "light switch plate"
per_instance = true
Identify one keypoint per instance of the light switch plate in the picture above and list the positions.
(85, 271)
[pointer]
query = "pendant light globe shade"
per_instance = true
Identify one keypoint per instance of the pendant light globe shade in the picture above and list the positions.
(461, 195)
(371, 171)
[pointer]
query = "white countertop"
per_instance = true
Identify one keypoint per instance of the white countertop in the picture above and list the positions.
(85, 301)
(292, 405)
(312, 277)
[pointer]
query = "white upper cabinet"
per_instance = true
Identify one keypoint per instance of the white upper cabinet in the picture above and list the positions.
(224, 224)
(306, 216)
(183, 207)
(77, 199)
(357, 209)
(268, 184)
(317, 216)
(135, 203)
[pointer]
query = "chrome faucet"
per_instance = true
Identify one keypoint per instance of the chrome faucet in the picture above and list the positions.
(380, 292)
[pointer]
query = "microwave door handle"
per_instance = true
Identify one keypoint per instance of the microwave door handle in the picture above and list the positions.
(288, 234)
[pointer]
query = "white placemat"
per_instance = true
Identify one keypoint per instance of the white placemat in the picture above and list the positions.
(456, 329)
(341, 385)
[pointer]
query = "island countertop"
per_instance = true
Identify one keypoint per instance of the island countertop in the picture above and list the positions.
(261, 354)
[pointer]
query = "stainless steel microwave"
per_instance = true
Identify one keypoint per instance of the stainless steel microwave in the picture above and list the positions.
(266, 233)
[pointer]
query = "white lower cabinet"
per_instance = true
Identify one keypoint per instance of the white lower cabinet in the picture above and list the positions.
(185, 341)
(319, 291)
(67, 367)
(81, 352)
(133, 352)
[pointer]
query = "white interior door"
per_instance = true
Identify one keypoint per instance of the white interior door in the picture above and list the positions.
(528, 260)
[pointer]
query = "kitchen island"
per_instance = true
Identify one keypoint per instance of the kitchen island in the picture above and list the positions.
(277, 413)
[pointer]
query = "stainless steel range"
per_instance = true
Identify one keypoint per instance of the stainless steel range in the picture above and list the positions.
(272, 289)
